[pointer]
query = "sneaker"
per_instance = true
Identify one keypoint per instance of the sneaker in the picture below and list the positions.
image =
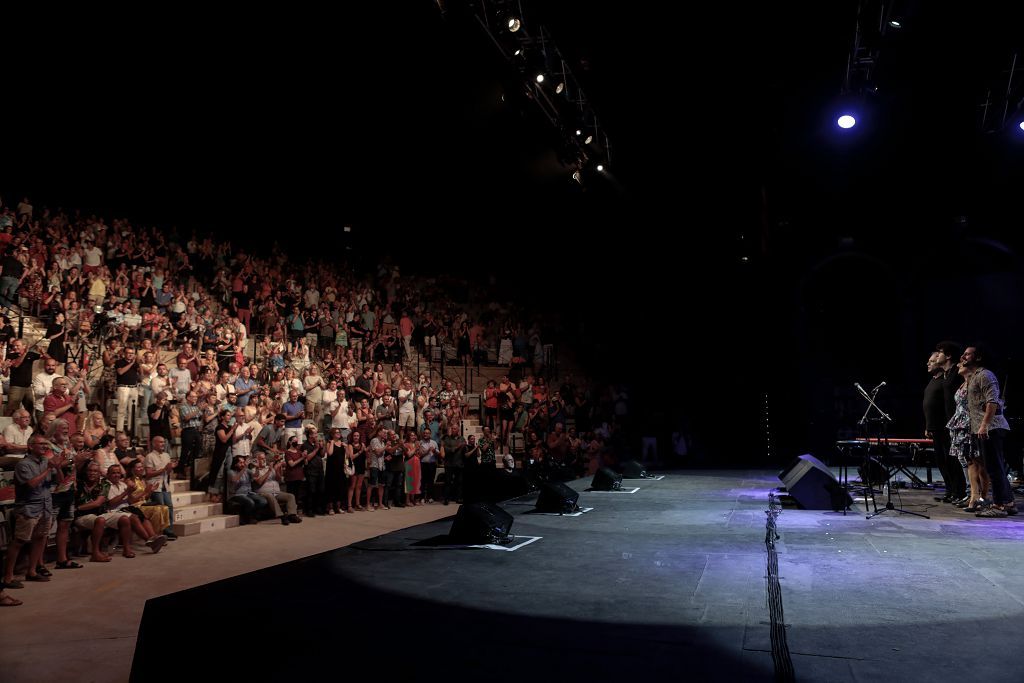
(285, 521)
(295, 519)
(156, 543)
(992, 512)
(170, 535)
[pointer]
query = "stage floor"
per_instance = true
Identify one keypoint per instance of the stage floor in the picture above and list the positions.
(663, 583)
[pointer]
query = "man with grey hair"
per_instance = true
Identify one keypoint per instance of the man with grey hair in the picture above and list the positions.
(158, 474)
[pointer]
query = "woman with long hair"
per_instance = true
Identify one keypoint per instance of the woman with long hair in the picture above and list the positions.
(356, 454)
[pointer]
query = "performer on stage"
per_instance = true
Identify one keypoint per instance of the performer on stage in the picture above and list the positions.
(939, 408)
(989, 429)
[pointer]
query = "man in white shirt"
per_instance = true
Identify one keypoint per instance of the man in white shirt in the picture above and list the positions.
(159, 466)
(161, 382)
(42, 384)
(180, 379)
(16, 435)
(92, 257)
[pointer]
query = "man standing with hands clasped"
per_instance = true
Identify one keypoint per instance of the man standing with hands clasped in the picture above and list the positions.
(939, 406)
(158, 474)
(33, 509)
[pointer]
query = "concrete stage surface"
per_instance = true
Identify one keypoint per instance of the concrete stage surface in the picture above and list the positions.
(669, 583)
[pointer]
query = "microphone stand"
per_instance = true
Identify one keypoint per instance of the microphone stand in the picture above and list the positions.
(883, 441)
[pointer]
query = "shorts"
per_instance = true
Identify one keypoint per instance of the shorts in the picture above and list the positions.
(490, 411)
(407, 419)
(64, 506)
(29, 528)
(110, 519)
(508, 413)
(376, 477)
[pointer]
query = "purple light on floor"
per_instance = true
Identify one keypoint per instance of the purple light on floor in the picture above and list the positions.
(846, 121)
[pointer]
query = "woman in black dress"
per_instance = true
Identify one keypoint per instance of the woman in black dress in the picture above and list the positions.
(357, 454)
(334, 482)
(56, 333)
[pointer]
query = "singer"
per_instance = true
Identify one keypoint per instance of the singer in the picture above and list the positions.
(939, 406)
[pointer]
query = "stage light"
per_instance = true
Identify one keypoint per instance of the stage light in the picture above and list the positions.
(540, 78)
(846, 121)
(560, 87)
(579, 132)
(513, 23)
(518, 52)
(587, 140)
(1021, 124)
(895, 24)
(577, 177)
(600, 167)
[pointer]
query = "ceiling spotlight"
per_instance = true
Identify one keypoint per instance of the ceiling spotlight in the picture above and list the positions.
(577, 177)
(895, 24)
(846, 121)
(513, 23)
(579, 132)
(600, 167)
(560, 87)
(1021, 125)
(540, 78)
(587, 140)
(518, 52)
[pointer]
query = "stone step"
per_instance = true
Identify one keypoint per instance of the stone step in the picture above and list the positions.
(179, 485)
(188, 498)
(191, 513)
(205, 525)
(471, 422)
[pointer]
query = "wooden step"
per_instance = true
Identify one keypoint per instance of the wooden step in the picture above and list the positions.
(206, 525)
(187, 498)
(189, 513)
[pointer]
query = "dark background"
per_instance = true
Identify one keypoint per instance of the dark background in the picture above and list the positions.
(861, 250)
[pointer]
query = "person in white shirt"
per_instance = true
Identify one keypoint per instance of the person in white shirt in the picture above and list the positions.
(122, 498)
(180, 379)
(42, 384)
(159, 466)
(266, 482)
(16, 434)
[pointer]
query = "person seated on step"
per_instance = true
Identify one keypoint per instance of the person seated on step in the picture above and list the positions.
(157, 515)
(240, 490)
(122, 497)
(267, 479)
(92, 516)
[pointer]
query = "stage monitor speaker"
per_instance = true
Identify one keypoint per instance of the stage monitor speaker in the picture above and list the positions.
(631, 469)
(606, 479)
(480, 524)
(812, 485)
(874, 474)
(557, 497)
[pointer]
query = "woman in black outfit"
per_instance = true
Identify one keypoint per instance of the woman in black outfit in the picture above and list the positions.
(334, 482)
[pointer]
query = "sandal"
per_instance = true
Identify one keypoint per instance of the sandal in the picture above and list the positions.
(68, 564)
(43, 571)
(8, 601)
(128, 553)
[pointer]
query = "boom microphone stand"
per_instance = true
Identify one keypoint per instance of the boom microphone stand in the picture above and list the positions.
(883, 440)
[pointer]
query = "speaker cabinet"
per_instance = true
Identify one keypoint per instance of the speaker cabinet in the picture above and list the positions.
(606, 479)
(480, 523)
(557, 497)
(631, 469)
(812, 485)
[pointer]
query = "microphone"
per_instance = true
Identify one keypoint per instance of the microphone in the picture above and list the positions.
(882, 384)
